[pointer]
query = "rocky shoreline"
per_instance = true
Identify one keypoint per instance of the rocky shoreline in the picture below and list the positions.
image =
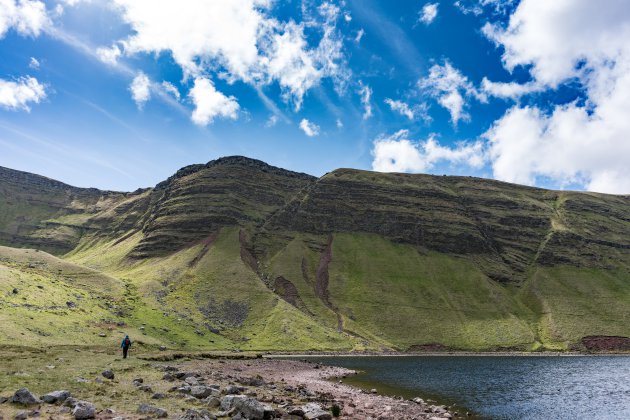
(261, 388)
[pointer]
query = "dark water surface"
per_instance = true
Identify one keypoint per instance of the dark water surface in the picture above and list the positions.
(503, 387)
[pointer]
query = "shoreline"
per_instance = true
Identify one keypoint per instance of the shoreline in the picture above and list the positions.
(442, 354)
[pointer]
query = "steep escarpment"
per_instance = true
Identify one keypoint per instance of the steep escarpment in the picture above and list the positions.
(239, 254)
(42, 213)
(200, 199)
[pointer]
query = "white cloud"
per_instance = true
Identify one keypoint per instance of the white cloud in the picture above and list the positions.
(171, 89)
(272, 121)
(109, 55)
(360, 34)
(397, 153)
(429, 13)
(339, 123)
(579, 143)
(347, 17)
(140, 89)
(17, 95)
(210, 103)
(309, 128)
(27, 17)
(33, 63)
(451, 89)
(510, 90)
(366, 96)
(239, 40)
(400, 107)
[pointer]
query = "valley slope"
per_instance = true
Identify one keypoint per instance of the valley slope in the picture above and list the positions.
(239, 254)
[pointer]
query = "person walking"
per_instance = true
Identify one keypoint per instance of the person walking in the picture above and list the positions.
(126, 343)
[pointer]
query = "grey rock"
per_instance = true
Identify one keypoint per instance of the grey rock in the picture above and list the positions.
(313, 411)
(232, 390)
(145, 388)
(84, 410)
(56, 397)
(252, 409)
(191, 380)
(138, 380)
(151, 410)
(168, 377)
(3, 399)
(227, 403)
(21, 415)
(25, 397)
(197, 415)
(158, 396)
(213, 402)
(200, 391)
(70, 402)
(108, 374)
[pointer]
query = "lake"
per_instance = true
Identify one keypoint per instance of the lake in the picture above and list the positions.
(503, 387)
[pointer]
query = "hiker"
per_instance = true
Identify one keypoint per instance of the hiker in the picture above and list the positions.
(126, 343)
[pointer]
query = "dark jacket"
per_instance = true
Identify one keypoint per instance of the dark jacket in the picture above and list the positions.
(122, 345)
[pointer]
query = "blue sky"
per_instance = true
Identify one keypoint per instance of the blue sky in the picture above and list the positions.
(120, 94)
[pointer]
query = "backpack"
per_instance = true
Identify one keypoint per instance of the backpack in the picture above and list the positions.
(127, 342)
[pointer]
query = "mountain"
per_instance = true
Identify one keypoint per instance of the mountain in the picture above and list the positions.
(240, 254)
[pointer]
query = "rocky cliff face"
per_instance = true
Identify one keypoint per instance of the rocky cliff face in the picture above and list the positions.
(39, 212)
(507, 228)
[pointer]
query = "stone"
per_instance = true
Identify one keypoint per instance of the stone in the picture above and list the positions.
(168, 377)
(251, 409)
(158, 396)
(200, 391)
(313, 411)
(197, 415)
(3, 399)
(56, 397)
(151, 410)
(108, 374)
(21, 415)
(162, 348)
(138, 380)
(213, 402)
(232, 390)
(70, 402)
(84, 410)
(25, 397)
(145, 388)
(227, 403)
(191, 380)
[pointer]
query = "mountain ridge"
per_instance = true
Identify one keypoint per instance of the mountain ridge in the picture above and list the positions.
(360, 259)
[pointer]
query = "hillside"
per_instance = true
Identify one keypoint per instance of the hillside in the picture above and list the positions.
(239, 254)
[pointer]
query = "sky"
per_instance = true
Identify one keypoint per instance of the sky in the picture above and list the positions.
(120, 94)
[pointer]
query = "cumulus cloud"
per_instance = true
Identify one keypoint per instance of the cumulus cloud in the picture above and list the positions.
(451, 89)
(509, 90)
(27, 17)
(397, 153)
(309, 128)
(18, 95)
(428, 13)
(584, 143)
(140, 89)
(210, 103)
(400, 107)
(238, 40)
(365, 92)
(109, 55)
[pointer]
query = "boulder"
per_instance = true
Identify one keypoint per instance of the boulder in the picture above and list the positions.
(108, 374)
(158, 396)
(25, 397)
(313, 411)
(227, 403)
(84, 410)
(21, 415)
(232, 390)
(151, 410)
(56, 397)
(197, 415)
(213, 402)
(251, 409)
(200, 391)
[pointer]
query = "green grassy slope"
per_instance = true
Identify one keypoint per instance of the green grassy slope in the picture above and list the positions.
(236, 254)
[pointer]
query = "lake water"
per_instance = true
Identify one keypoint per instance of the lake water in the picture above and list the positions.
(503, 387)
